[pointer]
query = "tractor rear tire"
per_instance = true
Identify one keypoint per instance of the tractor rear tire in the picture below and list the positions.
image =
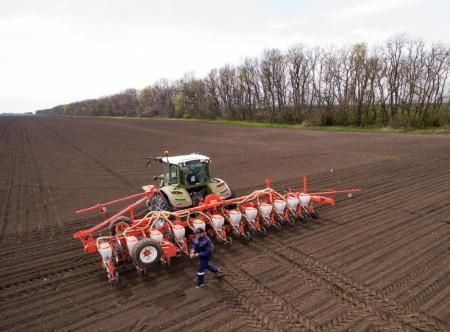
(119, 225)
(159, 203)
(199, 197)
(147, 253)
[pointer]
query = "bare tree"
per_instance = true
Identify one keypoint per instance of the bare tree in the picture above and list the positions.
(273, 80)
(402, 83)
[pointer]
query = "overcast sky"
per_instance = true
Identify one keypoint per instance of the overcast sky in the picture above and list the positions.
(54, 52)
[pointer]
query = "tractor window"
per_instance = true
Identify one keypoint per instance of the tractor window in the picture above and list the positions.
(195, 173)
(171, 174)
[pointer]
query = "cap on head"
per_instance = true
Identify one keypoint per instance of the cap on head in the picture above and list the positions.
(199, 230)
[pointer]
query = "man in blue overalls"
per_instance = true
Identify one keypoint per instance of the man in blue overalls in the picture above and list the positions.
(203, 249)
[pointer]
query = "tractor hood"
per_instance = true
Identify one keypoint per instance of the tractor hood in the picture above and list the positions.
(178, 197)
(220, 188)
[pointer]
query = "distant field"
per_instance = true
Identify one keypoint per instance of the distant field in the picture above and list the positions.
(378, 261)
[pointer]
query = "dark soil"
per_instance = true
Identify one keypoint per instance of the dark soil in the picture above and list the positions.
(378, 261)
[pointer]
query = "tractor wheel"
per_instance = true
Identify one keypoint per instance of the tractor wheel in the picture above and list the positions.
(199, 197)
(315, 214)
(119, 225)
(147, 253)
(159, 203)
(248, 236)
(277, 225)
(229, 241)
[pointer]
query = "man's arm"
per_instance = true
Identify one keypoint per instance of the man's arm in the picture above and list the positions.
(194, 252)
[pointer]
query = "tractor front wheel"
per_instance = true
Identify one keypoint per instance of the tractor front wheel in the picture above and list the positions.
(159, 203)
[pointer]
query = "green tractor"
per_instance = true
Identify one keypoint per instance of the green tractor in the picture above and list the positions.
(185, 182)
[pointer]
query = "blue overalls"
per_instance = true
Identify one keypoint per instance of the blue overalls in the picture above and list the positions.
(203, 247)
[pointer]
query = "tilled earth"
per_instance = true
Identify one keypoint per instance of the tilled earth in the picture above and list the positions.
(379, 261)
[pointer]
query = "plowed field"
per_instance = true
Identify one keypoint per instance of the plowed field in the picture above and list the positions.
(379, 261)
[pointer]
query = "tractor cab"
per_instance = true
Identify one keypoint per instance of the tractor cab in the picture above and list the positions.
(185, 182)
(187, 171)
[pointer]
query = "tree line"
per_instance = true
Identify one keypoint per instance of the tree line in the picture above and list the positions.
(402, 83)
